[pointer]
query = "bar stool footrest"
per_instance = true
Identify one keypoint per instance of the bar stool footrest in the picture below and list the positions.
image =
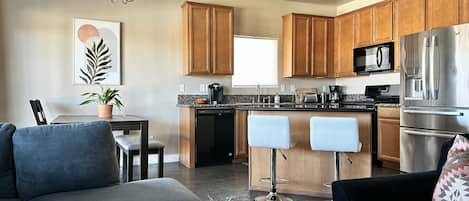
(279, 181)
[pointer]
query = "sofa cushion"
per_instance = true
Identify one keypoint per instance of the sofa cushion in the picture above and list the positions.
(164, 189)
(453, 183)
(7, 169)
(59, 158)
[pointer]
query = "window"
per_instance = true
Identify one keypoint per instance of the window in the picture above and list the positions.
(255, 62)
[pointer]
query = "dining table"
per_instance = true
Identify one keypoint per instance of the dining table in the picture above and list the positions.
(125, 123)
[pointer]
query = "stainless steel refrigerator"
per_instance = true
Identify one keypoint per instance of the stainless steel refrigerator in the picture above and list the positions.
(434, 94)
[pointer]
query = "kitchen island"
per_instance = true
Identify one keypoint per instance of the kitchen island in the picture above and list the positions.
(307, 171)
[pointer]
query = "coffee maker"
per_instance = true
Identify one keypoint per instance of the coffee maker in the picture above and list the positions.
(335, 93)
(215, 93)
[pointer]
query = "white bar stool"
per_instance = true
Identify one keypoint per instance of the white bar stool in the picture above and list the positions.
(335, 134)
(270, 132)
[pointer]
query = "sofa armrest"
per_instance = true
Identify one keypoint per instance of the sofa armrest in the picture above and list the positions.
(416, 186)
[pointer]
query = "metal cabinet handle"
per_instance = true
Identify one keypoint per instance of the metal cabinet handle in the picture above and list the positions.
(428, 134)
(442, 113)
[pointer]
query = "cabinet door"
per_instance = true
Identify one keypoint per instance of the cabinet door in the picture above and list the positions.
(222, 40)
(301, 37)
(198, 36)
(409, 18)
(364, 29)
(388, 140)
(442, 13)
(319, 48)
(344, 37)
(463, 11)
(241, 134)
(382, 22)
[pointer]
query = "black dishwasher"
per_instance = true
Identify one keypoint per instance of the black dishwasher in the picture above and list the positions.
(214, 137)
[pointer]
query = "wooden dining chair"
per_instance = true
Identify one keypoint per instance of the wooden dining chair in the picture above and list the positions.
(38, 112)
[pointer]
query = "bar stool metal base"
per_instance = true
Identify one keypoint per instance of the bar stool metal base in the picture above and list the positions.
(272, 197)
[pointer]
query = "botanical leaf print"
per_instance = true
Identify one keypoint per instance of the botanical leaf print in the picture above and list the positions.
(98, 60)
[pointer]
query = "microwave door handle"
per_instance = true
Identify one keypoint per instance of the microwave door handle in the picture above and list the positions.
(377, 57)
(424, 68)
(381, 56)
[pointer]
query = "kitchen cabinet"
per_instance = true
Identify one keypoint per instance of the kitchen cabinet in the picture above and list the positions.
(364, 27)
(207, 39)
(222, 46)
(409, 18)
(383, 22)
(463, 11)
(322, 46)
(241, 134)
(344, 36)
(187, 137)
(297, 36)
(442, 13)
(389, 136)
(307, 45)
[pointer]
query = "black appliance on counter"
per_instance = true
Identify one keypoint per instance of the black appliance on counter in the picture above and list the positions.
(214, 137)
(335, 93)
(376, 58)
(215, 93)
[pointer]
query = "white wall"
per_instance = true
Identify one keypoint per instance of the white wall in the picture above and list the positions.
(36, 55)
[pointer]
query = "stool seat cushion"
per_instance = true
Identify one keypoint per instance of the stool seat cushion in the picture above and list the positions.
(338, 134)
(267, 131)
(132, 143)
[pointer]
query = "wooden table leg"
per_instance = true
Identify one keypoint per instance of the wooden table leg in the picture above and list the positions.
(144, 150)
(160, 162)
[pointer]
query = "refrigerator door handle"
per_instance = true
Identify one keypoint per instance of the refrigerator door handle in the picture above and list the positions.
(424, 68)
(441, 113)
(434, 77)
(422, 133)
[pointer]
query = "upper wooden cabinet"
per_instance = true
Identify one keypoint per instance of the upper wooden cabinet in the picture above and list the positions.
(306, 45)
(442, 13)
(409, 16)
(463, 11)
(322, 46)
(207, 39)
(383, 22)
(364, 27)
(344, 36)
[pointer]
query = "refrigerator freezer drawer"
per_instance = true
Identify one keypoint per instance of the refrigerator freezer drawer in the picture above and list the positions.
(420, 148)
(448, 119)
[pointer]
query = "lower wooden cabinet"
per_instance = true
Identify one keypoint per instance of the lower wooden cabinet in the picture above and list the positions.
(389, 136)
(241, 134)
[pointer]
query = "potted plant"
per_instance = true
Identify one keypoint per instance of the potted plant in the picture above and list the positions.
(105, 100)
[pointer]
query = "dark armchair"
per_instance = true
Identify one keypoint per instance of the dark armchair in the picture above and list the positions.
(411, 187)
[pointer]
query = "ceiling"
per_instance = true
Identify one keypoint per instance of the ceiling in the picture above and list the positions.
(324, 2)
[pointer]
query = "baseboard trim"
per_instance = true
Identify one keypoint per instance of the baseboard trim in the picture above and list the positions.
(153, 159)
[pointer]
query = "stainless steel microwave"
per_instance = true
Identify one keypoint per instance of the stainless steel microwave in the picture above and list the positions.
(376, 58)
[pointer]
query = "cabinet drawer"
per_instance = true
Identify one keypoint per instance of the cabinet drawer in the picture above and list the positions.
(389, 112)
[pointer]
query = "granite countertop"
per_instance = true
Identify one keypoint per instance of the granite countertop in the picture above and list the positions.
(286, 107)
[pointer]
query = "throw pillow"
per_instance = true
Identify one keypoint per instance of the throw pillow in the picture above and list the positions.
(7, 173)
(453, 184)
(59, 158)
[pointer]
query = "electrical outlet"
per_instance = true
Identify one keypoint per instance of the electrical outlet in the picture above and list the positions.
(292, 88)
(202, 88)
(282, 88)
(182, 88)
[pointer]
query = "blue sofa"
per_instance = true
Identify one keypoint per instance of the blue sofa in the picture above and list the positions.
(75, 162)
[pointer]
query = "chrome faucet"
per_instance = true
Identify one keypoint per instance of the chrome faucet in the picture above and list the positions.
(258, 93)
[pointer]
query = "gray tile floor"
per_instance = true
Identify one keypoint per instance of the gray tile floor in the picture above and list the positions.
(224, 183)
